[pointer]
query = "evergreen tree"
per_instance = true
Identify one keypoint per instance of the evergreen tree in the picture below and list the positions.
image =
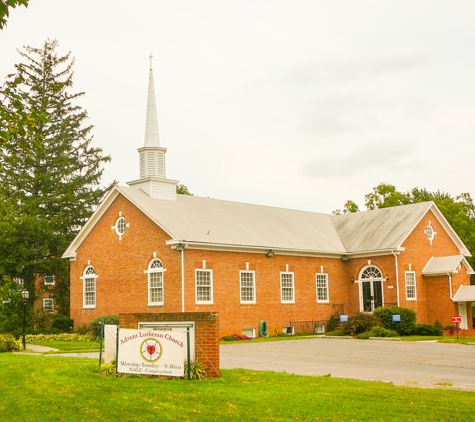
(49, 171)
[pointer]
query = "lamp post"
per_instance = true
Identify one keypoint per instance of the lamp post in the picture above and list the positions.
(25, 294)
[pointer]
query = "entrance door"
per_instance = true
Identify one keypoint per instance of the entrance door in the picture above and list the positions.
(372, 295)
(463, 313)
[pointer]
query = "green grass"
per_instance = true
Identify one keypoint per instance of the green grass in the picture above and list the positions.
(440, 339)
(70, 346)
(45, 388)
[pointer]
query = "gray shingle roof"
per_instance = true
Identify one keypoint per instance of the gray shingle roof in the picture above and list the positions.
(212, 221)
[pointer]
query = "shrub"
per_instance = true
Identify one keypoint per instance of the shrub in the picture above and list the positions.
(63, 324)
(337, 333)
(405, 326)
(363, 336)
(56, 337)
(382, 332)
(96, 323)
(8, 343)
(197, 370)
(359, 323)
(427, 330)
(332, 323)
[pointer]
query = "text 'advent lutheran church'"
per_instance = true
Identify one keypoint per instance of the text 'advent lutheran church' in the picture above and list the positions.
(147, 249)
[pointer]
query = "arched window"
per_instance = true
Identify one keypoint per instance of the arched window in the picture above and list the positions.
(371, 272)
(155, 282)
(89, 287)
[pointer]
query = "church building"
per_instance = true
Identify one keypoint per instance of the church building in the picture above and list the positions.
(147, 249)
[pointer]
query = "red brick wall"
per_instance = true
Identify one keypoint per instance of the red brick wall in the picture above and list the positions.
(206, 333)
(121, 285)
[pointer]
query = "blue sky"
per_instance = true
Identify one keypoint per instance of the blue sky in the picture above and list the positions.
(296, 104)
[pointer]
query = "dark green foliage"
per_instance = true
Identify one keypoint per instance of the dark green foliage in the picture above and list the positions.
(363, 336)
(63, 324)
(8, 343)
(361, 322)
(427, 330)
(405, 326)
(382, 332)
(459, 211)
(183, 190)
(5, 5)
(96, 324)
(332, 323)
(49, 172)
(197, 370)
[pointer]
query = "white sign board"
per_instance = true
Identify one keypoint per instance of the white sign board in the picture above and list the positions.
(150, 352)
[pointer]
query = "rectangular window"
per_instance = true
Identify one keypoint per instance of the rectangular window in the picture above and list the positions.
(411, 291)
(248, 287)
(322, 288)
(48, 280)
(48, 305)
(287, 288)
(204, 286)
(90, 292)
(156, 288)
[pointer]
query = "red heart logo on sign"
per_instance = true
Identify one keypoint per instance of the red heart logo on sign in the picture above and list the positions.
(151, 349)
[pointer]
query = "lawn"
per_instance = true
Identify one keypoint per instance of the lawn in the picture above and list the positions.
(46, 388)
(70, 346)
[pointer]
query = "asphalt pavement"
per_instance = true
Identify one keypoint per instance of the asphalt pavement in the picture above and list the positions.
(417, 364)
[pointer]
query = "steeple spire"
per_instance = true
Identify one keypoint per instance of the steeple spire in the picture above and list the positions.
(153, 179)
(151, 124)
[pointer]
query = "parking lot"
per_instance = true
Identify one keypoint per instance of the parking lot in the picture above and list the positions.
(417, 364)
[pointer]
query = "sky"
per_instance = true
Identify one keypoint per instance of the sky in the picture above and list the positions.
(295, 104)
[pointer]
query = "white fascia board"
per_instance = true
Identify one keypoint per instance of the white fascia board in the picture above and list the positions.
(376, 252)
(251, 249)
(450, 231)
(95, 217)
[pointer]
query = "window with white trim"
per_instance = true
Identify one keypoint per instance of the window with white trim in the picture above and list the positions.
(287, 287)
(48, 305)
(247, 287)
(89, 287)
(204, 286)
(48, 280)
(322, 288)
(411, 288)
(155, 282)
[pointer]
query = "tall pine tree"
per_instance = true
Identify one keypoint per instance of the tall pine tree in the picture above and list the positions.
(49, 171)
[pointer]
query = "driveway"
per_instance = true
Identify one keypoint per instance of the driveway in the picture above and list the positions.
(417, 364)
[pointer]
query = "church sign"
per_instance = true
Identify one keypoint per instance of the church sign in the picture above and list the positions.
(151, 352)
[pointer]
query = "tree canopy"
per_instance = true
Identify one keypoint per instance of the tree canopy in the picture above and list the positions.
(459, 211)
(49, 171)
(5, 5)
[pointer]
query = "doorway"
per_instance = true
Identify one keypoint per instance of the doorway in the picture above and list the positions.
(371, 289)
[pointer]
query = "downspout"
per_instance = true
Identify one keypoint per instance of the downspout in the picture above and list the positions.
(397, 277)
(183, 280)
(450, 286)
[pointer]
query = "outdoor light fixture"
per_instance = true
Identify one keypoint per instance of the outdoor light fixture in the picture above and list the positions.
(344, 258)
(387, 277)
(352, 280)
(270, 253)
(179, 247)
(25, 294)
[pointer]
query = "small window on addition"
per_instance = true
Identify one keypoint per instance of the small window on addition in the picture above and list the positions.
(249, 332)
(48, 280)
(48, 305)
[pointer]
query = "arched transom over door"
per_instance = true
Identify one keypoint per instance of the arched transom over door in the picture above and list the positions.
(371, 288)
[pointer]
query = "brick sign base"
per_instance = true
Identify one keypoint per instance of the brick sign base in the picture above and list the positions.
(206, 333)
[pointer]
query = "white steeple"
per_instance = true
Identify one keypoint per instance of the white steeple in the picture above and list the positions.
(151, 124)
(152, 156)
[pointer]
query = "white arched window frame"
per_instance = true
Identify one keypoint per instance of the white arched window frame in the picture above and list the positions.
(89, 277)
(155, 276)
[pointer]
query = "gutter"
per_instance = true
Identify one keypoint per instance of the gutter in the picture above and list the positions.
(397, 277)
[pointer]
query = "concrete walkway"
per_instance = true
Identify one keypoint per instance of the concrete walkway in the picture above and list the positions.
(418, 364)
